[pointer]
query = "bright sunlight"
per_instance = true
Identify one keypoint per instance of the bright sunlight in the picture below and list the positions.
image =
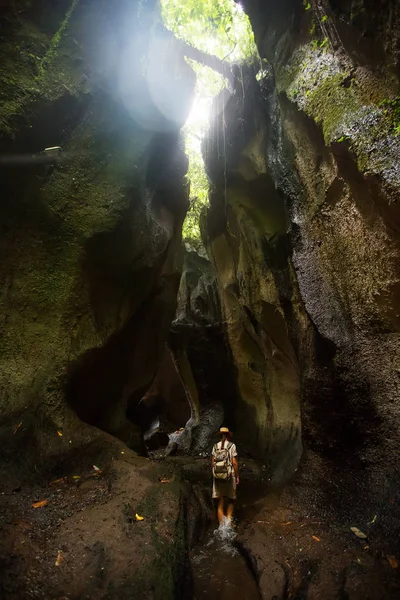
(222, 29)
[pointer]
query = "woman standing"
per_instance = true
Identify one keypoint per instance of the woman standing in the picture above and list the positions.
(225, 470)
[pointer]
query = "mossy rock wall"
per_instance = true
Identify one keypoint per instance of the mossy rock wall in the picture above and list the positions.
(333, 152)
(90, 242)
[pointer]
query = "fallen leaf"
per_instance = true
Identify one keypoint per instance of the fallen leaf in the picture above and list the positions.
(139, 518)
(393, 562)
(366, 547)
(165, 480)
(96, 469)
(59, 559)
(314, 537)
(373, 520)
(39, 504)
(57, 481)
(16, 428)
(76, 476)
(358, 533)
(59, 433)
(287, 523)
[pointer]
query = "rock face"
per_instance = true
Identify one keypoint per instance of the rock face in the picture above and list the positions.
(246, 240)
(203, 358)
(90, 267)
(91, 239)
(303, 231)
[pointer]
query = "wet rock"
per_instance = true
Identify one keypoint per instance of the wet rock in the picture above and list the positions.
(156, 438)
(272, 582)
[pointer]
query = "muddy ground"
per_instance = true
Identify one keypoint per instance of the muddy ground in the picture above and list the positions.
(87, 542)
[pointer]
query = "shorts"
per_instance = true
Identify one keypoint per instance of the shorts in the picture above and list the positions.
(224, 489)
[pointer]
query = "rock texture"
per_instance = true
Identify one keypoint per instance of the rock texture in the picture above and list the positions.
(90, 240)
(245, 229)
(303, 230)
(90, 263)
(202, 354)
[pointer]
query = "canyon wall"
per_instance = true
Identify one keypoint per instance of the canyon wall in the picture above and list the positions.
(303, 232)
(91, 228)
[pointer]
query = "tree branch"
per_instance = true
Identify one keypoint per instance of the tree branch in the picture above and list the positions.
(208, 60)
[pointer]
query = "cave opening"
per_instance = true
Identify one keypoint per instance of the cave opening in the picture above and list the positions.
(222, 37)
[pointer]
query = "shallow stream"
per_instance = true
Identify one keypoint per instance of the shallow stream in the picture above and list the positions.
(220, 571)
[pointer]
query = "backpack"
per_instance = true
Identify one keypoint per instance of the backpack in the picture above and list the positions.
(223, 467)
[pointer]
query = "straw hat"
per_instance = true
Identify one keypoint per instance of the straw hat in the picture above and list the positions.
(224, 430)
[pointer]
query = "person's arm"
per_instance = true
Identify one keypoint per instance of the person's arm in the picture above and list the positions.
(236, 469)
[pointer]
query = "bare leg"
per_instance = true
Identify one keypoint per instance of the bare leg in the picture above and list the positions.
(220, 510)
(229, 512)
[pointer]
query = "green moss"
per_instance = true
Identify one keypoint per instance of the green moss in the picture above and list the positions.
(56, 39)
(19, 57)
(330, 103)
(34, 67)
(90, 192)
(391, 108)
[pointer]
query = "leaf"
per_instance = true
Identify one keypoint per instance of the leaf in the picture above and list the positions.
(393, 562)
(76, 476)
(373, 520)
(165, 480)
(57, 481)
(314, 537)
(59, 559)
(59, 434)
(17, 427)
(39, 504)
(139, 518)
(358, 533)
(96, 469)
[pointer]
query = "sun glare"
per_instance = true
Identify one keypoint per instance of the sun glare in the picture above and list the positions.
(200, 114)
(220, 28)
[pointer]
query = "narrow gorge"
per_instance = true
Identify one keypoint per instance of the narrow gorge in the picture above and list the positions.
(126, 343)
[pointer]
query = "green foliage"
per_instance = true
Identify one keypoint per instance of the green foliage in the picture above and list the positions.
(306, 5)
(392, 109)
(220, 28)
(324, 19)
(319, 43)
